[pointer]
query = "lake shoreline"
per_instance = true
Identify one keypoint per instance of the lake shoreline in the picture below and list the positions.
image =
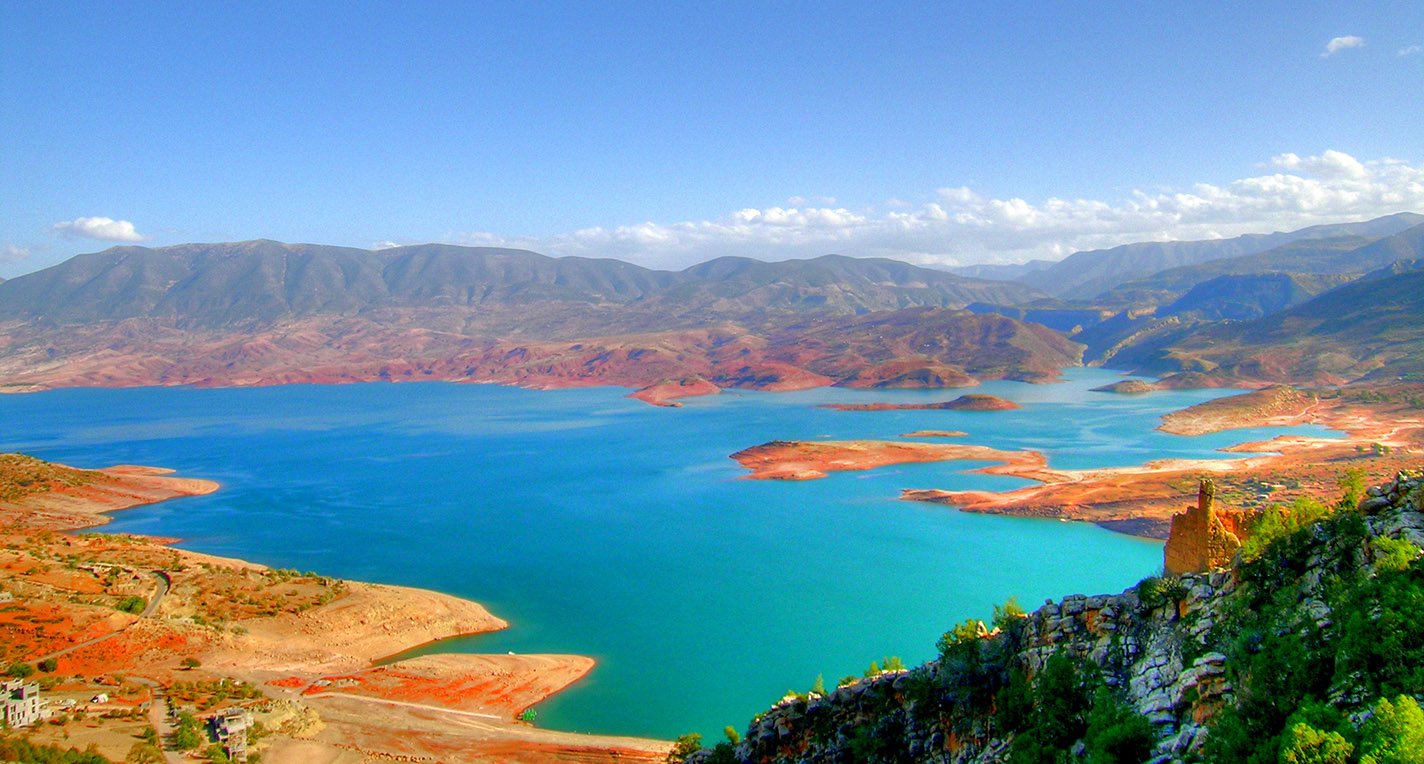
(1137, 500)
(331, 657)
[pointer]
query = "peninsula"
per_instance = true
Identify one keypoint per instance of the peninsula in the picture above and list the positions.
(1383, 432)
(302, 647)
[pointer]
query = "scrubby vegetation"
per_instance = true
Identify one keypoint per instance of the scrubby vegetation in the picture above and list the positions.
(25, 752)
(205, 696)
(1319, 637)
(219, 594)
(1311, 674)
(22, 476)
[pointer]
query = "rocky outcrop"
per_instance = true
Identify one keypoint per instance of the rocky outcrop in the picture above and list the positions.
(1147, 642)
(1161, 644)
(1203, 539)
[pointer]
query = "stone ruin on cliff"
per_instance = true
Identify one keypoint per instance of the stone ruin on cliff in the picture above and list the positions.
(1203, 538)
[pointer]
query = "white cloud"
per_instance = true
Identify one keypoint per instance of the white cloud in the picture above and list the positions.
(1341, 43)
(99, 229)
(384, 245)
(1411, 50)
(9, 253)
(959, 226)
(1331, 164)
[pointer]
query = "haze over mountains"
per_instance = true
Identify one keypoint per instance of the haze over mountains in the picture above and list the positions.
(261, 312)
(1085, 275)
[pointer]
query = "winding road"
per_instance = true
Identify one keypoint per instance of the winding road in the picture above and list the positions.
(165, 582)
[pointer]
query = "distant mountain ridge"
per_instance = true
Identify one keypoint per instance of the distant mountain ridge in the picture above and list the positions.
(1085, 275)
(262, 281)
(1333, 261)
(1367, 330)
(1242, 289)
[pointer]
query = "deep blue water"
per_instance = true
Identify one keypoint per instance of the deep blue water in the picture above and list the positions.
(601, 526)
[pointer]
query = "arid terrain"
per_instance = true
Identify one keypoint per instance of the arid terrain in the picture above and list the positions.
(1383, 433)
(118, 628)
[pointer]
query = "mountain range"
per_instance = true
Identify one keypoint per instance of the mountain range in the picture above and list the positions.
(258, 282)
(1244, 298)
(1085, 275)
(263, 312)
(1368, 330)
(1309, 308)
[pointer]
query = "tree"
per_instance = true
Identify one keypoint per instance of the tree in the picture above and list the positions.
(1395, 734)
(187, 736)
(133, 605)
(683, 747)
(819, 688)
(191, 662)
(20, 670)
(1116, 733)
(1304, 744)
(731, 733)
(1007, 614)
(962, 633)
(1352, 487)
(48, 665)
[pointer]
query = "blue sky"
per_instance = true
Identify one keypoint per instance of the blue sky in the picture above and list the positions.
(668, 134)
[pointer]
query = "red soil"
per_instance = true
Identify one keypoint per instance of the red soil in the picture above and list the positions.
(501, 685)
(962, 403)
(807, 460)
(662, 393)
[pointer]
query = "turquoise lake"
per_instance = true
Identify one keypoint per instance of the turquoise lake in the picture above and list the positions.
(602, 526)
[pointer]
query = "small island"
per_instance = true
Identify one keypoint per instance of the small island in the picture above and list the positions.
(809, 460)
(664, 392)
(973, 402)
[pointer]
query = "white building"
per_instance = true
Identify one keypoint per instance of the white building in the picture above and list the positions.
(230, 727)
(21, 702)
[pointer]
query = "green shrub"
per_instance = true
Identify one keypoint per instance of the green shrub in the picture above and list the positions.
(132, 604)
(19, 670)
(1156, 591)
(683, 747)
(1278, 522)
(1116, 734)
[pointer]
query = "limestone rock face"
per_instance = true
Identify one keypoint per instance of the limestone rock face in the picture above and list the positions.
(1156, 644)
(1200, 540)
